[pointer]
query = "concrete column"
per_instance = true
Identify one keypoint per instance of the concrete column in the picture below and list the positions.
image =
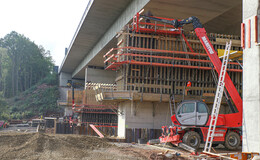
(99, 75)
(143, 115)
(251, 81)
(63, 78)
(68, 111)
(121, 121)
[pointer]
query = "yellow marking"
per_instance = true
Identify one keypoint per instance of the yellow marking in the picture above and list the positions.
(238, 55)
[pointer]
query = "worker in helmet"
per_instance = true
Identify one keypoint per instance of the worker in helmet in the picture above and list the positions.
(188, 90)
(78, 129)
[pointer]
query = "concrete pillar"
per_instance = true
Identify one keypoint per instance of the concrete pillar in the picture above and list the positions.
(251, 80)
(68, 111)
(63, 78)
(143, 115)
(63, 88)
(97, 75)
(121, 121)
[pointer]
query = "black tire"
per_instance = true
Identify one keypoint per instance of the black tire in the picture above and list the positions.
(232, 140)
(192, 139)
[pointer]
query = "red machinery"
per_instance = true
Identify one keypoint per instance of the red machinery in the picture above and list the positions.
(186, 129)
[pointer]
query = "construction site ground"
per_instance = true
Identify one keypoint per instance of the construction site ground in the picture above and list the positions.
(32, 146)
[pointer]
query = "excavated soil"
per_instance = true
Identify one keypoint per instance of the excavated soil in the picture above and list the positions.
(32, 146)
(39, 146)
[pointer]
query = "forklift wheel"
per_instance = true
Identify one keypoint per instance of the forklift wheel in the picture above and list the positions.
(192, 139)
(232, 140)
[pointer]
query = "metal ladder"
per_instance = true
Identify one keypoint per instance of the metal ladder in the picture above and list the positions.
(218, 99)
(172, 105)
(215, 78)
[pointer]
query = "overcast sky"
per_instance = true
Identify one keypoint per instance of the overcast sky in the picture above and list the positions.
(50, 23)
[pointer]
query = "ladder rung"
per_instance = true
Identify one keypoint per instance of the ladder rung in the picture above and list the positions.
(218, 98)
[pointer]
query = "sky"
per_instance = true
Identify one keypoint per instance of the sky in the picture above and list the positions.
(49, 23)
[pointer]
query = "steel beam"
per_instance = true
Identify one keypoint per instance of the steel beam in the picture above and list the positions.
(126, 16)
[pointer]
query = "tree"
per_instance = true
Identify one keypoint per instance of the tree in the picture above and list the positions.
(5, 66)
(24, 64)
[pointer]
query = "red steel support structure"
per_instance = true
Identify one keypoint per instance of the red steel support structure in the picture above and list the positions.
(114, 63)
(232, 120)
(201, 33)
(228, 124)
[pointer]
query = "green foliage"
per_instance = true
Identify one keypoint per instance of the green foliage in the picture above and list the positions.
(14, 109)
(23, 64)
(3, 109)
(51, 79)
(36, 101)
(27, 86)
(5, 66)
(4, 116)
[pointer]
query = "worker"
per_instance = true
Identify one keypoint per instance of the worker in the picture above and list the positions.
(66, 119)
(188, 90)
(71, 122)
(6, 124)
(78, 131)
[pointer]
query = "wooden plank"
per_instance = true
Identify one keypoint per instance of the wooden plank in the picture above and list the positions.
(151, 97)
(117, 95)
(197, 88)
(208, 94)
(97, 131)
(223, 41)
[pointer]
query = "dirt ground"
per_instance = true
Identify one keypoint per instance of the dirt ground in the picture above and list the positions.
(32, 146)
(39, 146)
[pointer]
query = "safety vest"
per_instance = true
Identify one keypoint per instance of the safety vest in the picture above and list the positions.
(189, 84)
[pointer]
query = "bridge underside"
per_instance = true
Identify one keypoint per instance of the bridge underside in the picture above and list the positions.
(104, 19)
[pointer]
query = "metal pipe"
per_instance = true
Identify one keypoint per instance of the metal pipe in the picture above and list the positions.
(113, 65)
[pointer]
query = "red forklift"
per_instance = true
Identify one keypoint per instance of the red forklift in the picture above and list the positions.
(191, 120)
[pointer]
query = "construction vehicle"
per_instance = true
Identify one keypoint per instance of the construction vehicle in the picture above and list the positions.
(191, 120)
(41, 126)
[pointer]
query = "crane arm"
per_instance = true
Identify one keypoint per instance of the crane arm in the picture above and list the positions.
(194, 20)
(202, 35)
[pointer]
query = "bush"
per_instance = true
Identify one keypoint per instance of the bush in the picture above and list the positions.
(38, 100)
(29, 114)
(2, 103)
(51, 79)
(4, 116)
(14, 109)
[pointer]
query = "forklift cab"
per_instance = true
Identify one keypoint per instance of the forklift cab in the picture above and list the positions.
(192, 113)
